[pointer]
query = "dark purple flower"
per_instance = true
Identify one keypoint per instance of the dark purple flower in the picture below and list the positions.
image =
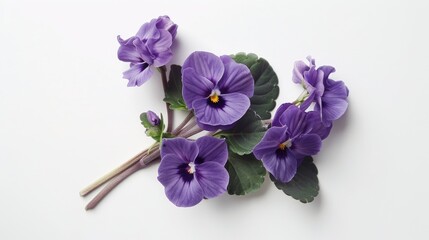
(218, 89)
(287, 142)
(153, 118)
(193, 170)
(151, 47)
(330, 96)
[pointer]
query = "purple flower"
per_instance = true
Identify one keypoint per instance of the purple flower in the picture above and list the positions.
(153, 118)
(313, 119)
(151, 47)
(193, 170)
(218, 89)
(288, 141)
(330, 96)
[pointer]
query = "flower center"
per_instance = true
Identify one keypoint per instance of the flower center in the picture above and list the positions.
(191, 168)
(286, 144)
(214, 96)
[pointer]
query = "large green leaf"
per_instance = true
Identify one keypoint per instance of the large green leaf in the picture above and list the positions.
(246, 174)
(246, 133)
(173, 93)
(266, 81)
(305, 185)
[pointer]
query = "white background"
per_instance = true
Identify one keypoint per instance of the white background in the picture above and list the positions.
(67, 117)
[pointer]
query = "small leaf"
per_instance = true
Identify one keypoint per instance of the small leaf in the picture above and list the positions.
(144, 121)
(173, 93)
(246, 174)
(266, 81)
(305, 185)
(246, 133)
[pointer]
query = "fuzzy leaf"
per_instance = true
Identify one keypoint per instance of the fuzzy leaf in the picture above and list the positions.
(246, 174)
(173, 93)
(266, 81)
(246, 133)
(305, 185)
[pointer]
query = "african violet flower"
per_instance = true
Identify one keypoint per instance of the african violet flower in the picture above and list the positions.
(217, 88)
(330, 96)
(151, 47)
(294, 135)
(193, 170)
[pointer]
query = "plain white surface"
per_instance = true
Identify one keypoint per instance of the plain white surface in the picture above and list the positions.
(67, 117)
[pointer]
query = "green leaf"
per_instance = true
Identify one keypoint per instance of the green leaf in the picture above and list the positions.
(246, 174)
(144, 121)
(246, 133)
(173, 93)
(266, 81)
(305, 185)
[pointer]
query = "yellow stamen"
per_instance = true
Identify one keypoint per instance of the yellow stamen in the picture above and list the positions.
(286, 144)
(214, 98)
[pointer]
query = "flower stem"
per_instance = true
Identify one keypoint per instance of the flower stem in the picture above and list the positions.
(188, 127)
(301, 98)
(143, 162)
(185, 121)
(170, 113)
(102, 180)
(112, 184)
(112, 173)
(190, 133)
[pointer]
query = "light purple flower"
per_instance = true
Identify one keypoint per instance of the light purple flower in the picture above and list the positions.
(193, 170)
(153, 118)
(217, 88)
(285, 144)
(330, 96)
(151, 47)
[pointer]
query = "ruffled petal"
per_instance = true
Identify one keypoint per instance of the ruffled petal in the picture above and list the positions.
(294, 118)
(148, 30)
(327, 70)
(278, 119)
(127, 51)
(332, 109)
(138, 74)
(163, 58)
(298, 72)
(212, 177)
(236, 78)
(164, 22)
(233, 107)
(316, 126)
(186, 150)
(195, 86)
(161, 44)
(306, 145)
(212, 149)
(205, 64)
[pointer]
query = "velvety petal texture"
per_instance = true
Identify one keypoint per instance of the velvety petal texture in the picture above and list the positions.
(149, 48)
(193, 170)
(217, 89)
(329, 96)
(291, 138)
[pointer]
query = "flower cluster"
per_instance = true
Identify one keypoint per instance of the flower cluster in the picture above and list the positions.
(230, 97)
